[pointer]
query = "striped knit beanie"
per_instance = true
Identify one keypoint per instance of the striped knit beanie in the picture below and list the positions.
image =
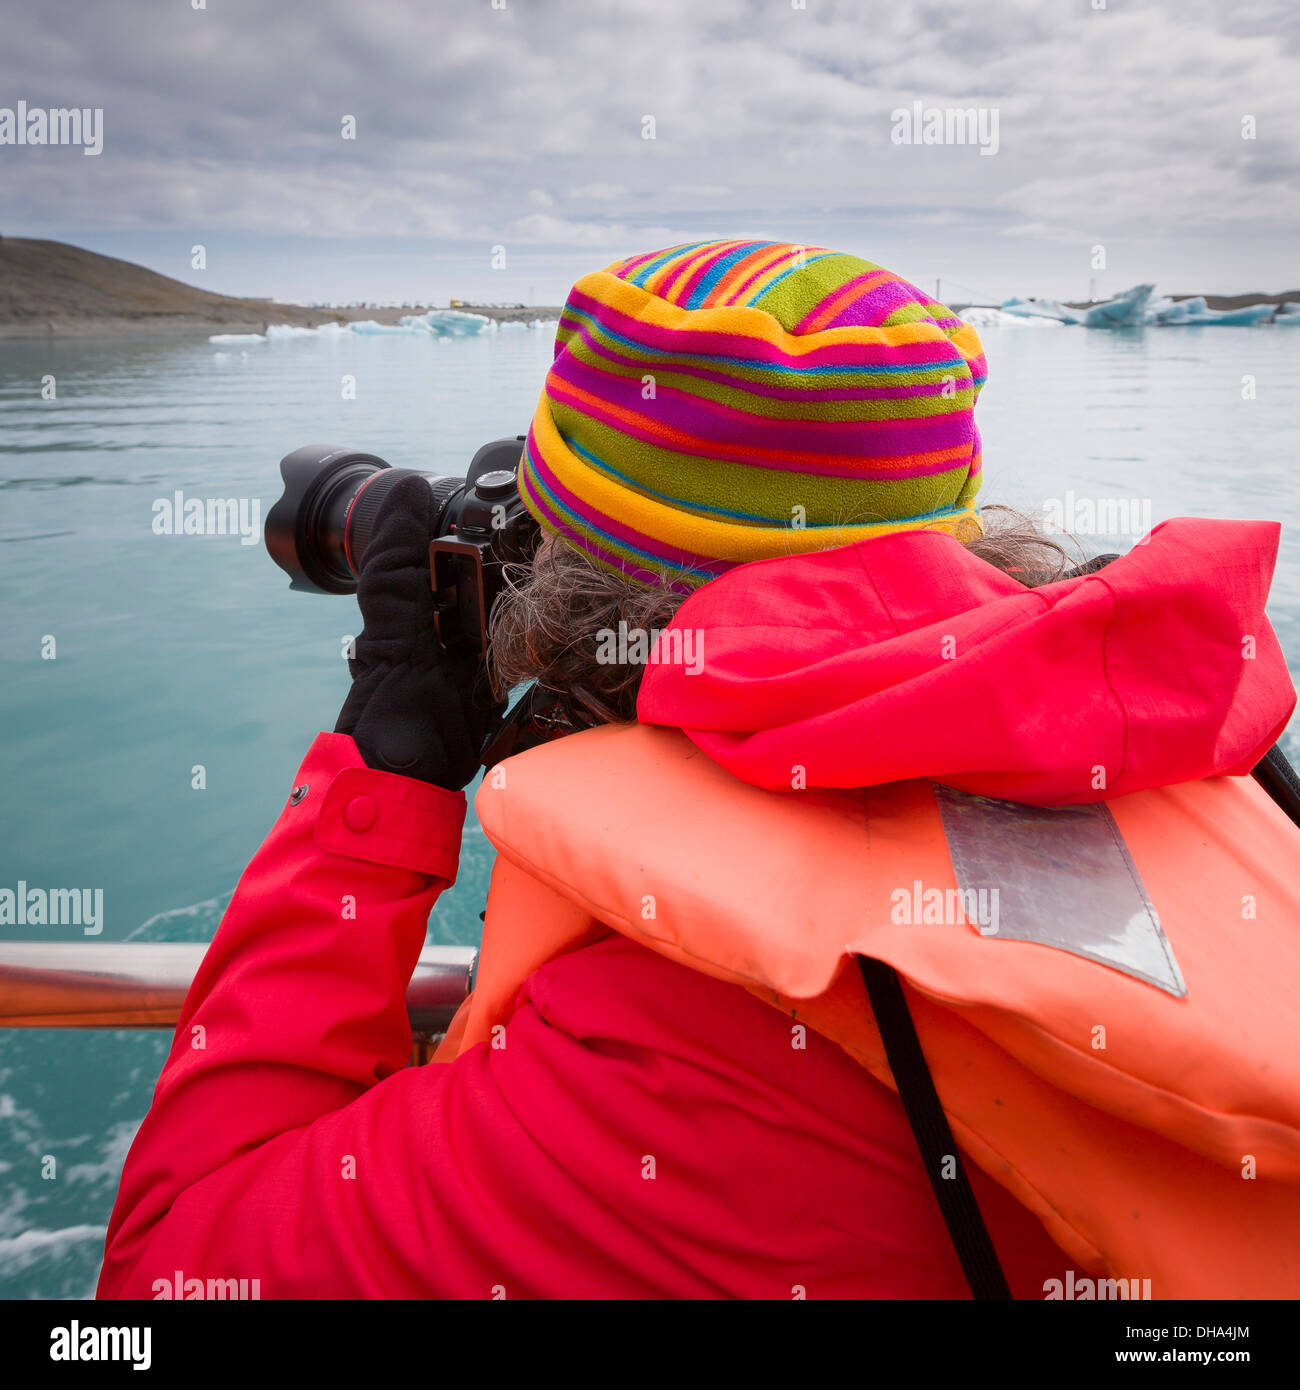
(727, 401)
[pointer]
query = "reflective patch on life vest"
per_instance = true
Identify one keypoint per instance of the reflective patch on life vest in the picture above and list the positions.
(1060, 876)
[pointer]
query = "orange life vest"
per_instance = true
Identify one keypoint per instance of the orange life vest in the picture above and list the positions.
(1154, 1132)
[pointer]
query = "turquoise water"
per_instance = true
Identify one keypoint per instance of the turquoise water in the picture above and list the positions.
(173, 651)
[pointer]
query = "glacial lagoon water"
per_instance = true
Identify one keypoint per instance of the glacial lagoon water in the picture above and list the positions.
(175, 651)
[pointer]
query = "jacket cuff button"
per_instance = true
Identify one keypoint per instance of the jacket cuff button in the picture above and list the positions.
(360, 813)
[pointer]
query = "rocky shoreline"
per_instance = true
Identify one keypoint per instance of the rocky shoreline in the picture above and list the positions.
(180, 326)
(49, 289)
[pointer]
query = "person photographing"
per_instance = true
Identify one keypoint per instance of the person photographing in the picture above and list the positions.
(743, 1024)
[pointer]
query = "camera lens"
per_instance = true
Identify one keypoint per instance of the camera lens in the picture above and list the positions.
(319, 529)
(304, 530)
(359, 520)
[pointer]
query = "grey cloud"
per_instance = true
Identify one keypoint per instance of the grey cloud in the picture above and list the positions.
(1118, 122)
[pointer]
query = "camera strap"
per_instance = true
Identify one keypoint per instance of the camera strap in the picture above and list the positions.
(537, 717)
(943, 1164)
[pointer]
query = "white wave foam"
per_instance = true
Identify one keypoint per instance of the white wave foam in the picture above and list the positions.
(197, 922)
(112, 1151)
(20, 1251)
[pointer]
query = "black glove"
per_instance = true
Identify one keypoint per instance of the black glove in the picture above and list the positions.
(414, 708)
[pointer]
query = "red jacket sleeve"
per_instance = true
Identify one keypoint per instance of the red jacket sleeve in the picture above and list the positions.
(298, 1009)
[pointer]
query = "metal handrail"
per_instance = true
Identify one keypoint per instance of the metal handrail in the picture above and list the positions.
(142, 984)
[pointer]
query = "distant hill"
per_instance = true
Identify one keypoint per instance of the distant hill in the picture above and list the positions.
(49, 287)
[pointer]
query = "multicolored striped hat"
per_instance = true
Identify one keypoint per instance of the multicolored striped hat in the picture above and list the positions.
(727, 401)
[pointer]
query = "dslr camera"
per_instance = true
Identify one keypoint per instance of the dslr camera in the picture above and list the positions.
(318, 531)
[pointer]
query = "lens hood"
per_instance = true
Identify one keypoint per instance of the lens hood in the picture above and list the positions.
(304, 530)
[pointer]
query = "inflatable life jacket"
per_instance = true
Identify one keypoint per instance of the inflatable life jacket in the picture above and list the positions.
(1104, 993)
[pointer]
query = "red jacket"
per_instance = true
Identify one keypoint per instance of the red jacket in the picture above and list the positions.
(288, 1142)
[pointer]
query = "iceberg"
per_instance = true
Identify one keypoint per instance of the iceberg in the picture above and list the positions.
(1134, 308)
(1195, 311)
(435, 323)
(1039, 309)
(1121, 312)
(291, 330)
(446, 323)
(1124, 311)
(985, 316)
(1165, 310)
(366, 328)
(1251, 313)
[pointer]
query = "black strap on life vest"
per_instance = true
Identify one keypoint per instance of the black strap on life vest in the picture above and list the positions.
(961, 1212)
(1280, 780)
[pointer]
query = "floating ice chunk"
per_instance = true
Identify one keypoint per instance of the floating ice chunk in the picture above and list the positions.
(1165, 310)
(447, 323)
(436, 323)
(984, 316)
(1195, 312)
(368, 327)
(1123, 311)
(1249, 314)
(1039, 309)
(293, 330)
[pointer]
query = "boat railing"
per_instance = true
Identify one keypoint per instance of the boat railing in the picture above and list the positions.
(142, 984)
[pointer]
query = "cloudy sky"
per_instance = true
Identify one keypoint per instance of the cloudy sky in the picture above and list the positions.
(1119, 122)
